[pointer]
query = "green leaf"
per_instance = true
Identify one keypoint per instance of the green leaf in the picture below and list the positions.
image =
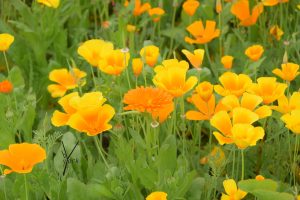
(27, 122)
(271, 195)
(251, 185)
(15, 75)
(167, 157)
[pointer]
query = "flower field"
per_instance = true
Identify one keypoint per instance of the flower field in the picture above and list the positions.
(149, 100)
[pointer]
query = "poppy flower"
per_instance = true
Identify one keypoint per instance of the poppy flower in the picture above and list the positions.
(195, 58)
(268, 89)
(227, 61)
(205, 90)
(6, 87)
(276, 32)
(21, 158)
(254, 52)
(273, 2)
(171, 76)
(94, 50)
(155, 101)
(190, 7)
(286, 105)
(140, 8)
(66, 80)
(156, 13)
(130, 28)
(259, 178)
(50, 3)
(288, 72)
(292, 121)
(114, 63)
(157, 196)
(137, 66)
(231, 83)
(150, 54)
(5, 41)
(241, 9)
(216, 156)
(202, 35)
(218, 6)
(232, 192)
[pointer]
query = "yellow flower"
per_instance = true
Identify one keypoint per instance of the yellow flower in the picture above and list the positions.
(268, 89)
(5, 41)
(276, 32)
(233, 193)
(292, 121)
(65, 81)
(150, 54)
(233, 84)
(190, 7)
(286, 105)
(137, 66)
(227, 61)
(114, 63)
(205, 90)
(94, 50)
(254, 52)
(195, 58)
(156, 13)
(273, 2)
(289, 71)
(244, 135)
(218, 6)
(171, 76)
(157, 196)
(50, 3)
(259, 178)
(131, 28)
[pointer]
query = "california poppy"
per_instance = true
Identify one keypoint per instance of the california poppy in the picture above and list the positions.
(190, 7)
(156, 13)
(157, 196)
(289, 71)
(140, 8)
(6, 86)
(137, 66)
(276, 32)
(5, 41)
(227, 61)
(195, 58)
(232, 192)
(50, 3)
(254, 52)
(292, 121)
(286, 105)
(150, 54)
(273, 2)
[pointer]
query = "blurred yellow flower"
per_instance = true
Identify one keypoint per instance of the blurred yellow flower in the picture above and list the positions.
(259, 178)
(289, 71)
(126, 3)
(232, 192)
(5, 41)
(140, 8)
(157, 196)
(130, 28)
(137, 66)
(218, 6)
(50, 3)
(276, 32)
(286, 105)
(292, 121)
(254, 52)
(190, 7)
(227, 61)
(156, 13)
(195, 58)
(171, 76)
(273, 2)
(150, 54)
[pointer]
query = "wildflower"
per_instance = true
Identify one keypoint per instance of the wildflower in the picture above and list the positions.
(190, 7)
(126, 3)
(273, 2)
(268, 89)
(218, 6)
(232, 191)
(137, 66)
(171, 76)
(241, 9)
(259, 178)
(114, 63)
(106, 24)
(130, 28)
(65, 81)
(292, 121)
(205, 90)
(276, 32)
(150, 54)
(94, 50)
(244, 135)
(5, 41)
(6, 87)
(227, 61)
(21, 158)
(286, 105)
(216, 156)
(140, 8)
(50, 3)
(156, 13)
(235, 84)
(254, 52)
(157, 196)
(202, 35)
(289, 71)
(195, 58)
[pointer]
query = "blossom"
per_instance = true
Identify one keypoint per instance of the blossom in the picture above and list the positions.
(156, 13)
(50, 3)
(155, 101)
(66, 80)
(202, 35)
(286, 105)
(276, 32)
(289, 71)
(205, 90)
(150, 54)
(259, 178)
(130, 28)
(268, 89)
(241, 9)
(94, 50)
(171, 76)
(227, 61)
(21, 158)
(157, 196)
(292, 121)
(137, 66)
(140, 8)
(244, 135)
(232, 192)
(190, 7)
(5, 41)
(216, 156)
(273, 2)
(126, 3)
(6, 86)
(218, 6)
(254, 52)
(195, 58)
(235, 84)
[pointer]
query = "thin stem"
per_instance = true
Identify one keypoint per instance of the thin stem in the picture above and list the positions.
(94, 80)
(99, 150)
(4, 184)
(26, 189)
(243, 164)
(296, 148)
(173, 24)
(210, 62)
(6, 62)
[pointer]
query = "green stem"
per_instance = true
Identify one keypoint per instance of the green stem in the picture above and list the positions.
(94, 80)
(243, 164)
(99, 151)
(26, 189)
(6, 62)
(296, 148)
(210, 62)
(173, 24)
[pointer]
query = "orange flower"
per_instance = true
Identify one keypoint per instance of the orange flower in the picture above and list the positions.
(233, 84)
(137, 66)
(286, 105)
(241, 10)
(289, 71)
(171, 76)
(106, 24)
(190, 7)
(195, 59)
(21, 158)
(292, 121)
(156, 13)
(5, 41)
(259, 178)
(202, 35)
(227, 61)
(150, 54)
(140, 8)
(254, 52)
(205, 90)
(157, 196)
(218, 6)
(126, 3)
(6, 87)
(276, 32)
(155, 101)
(268, 89)
(273, 2)
(65, 81)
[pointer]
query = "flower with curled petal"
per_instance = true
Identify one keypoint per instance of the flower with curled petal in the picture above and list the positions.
(292, 121)
(289, 71)
(195, 58)
(254, 52)
(286, 105)
(5, 41)
(232, 192)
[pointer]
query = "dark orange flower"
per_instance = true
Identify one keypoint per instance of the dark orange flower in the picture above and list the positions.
(190, 7)
(140, 8)
(156, 13)
(6, 86)
(155, 101)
